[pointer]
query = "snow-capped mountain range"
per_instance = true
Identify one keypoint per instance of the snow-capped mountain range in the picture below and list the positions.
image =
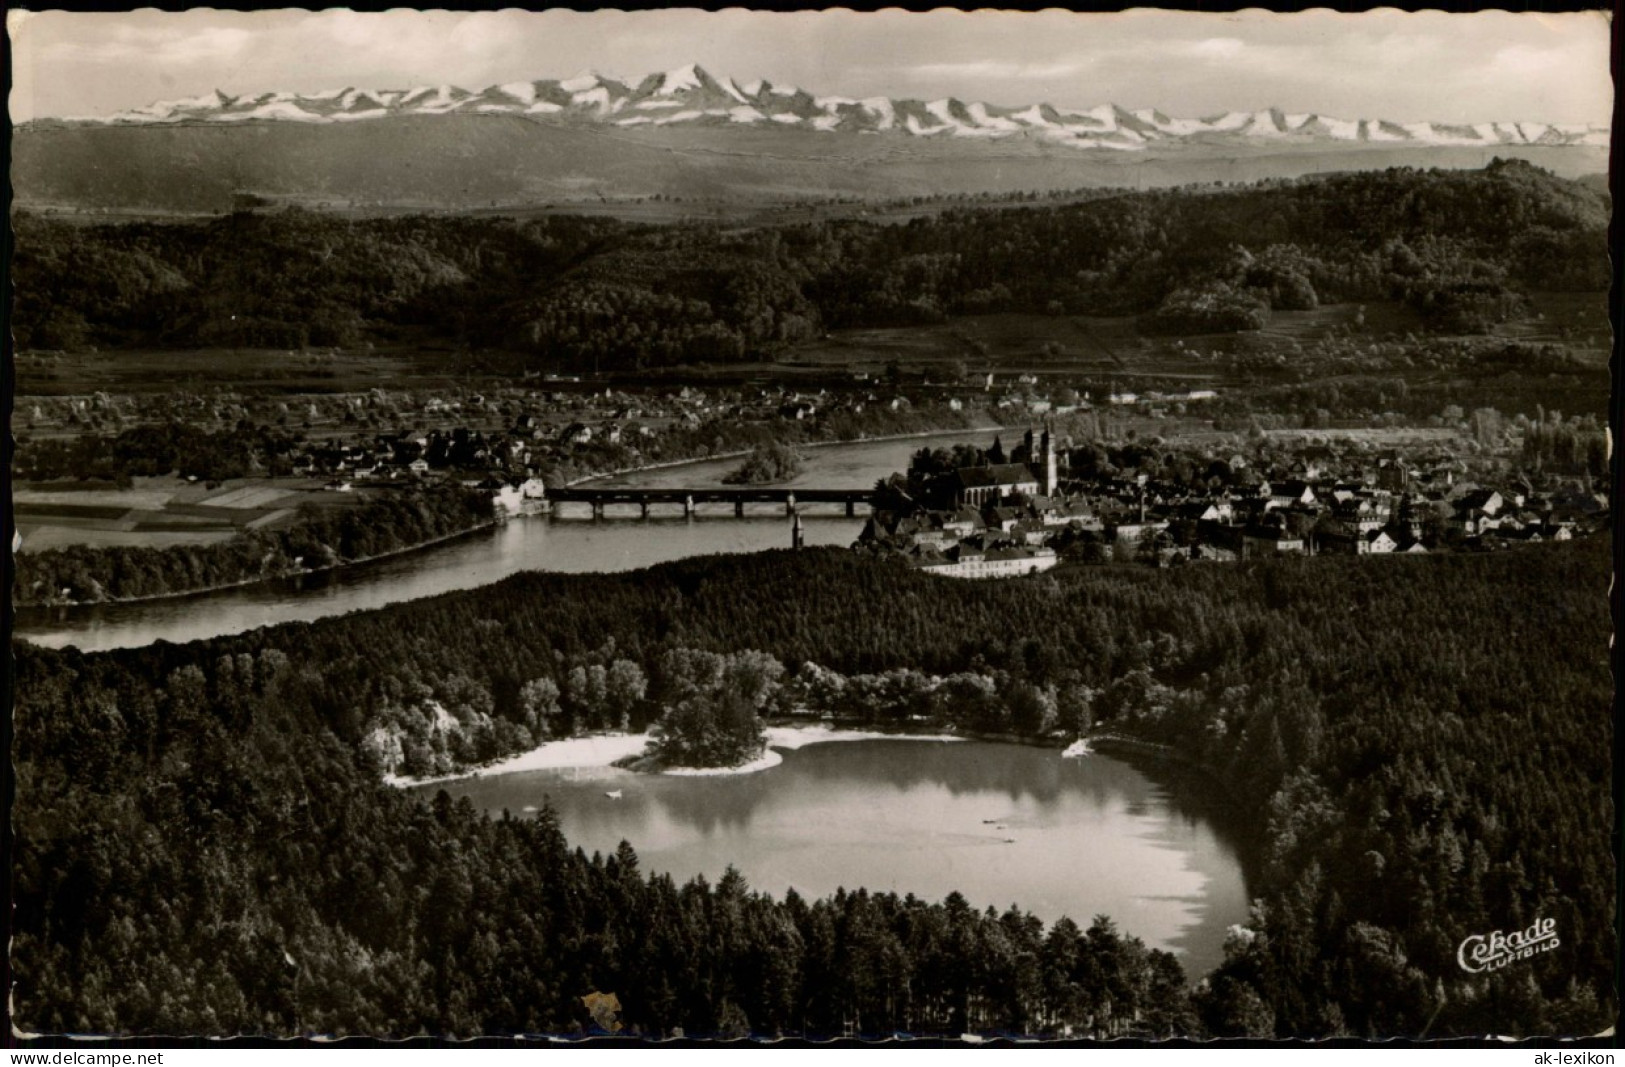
(690, 95)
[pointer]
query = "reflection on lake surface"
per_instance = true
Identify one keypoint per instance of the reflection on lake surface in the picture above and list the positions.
(572, 544)
(999, 823)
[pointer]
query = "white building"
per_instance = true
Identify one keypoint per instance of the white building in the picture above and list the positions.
(994, 563)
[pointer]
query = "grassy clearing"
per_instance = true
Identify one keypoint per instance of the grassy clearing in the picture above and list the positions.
(1576, 320)
(1380, 319)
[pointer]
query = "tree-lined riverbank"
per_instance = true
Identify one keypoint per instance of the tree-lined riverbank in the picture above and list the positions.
(400, 522)
(528, 544)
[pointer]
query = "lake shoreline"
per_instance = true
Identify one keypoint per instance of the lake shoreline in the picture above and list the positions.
(605, 751)
(1234, 808)
(896, 813)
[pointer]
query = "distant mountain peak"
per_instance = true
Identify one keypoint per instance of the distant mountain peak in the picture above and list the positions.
(691, 94)
(689, 77)
(587, 79)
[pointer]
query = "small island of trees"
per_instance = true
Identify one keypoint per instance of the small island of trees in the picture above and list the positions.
(715, 718)
(773, 463)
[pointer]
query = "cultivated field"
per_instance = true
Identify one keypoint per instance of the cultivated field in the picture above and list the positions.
(158, 512)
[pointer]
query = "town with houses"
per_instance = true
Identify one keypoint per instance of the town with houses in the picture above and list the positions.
(382, 436)
(562, 432)
(1055, 497)
(1024, 512)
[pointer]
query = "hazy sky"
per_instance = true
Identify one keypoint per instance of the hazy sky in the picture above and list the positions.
(1406, 67)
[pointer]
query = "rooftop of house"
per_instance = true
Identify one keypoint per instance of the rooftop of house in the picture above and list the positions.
(997, 475)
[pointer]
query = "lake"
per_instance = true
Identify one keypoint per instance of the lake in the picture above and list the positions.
(570, 542)
(999, 823)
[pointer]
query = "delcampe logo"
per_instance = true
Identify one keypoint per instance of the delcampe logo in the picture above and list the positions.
(1491, 952)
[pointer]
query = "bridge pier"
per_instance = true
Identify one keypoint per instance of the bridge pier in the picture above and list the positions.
(739, 509)
(643, 508)
(851, 508)
(597, 509)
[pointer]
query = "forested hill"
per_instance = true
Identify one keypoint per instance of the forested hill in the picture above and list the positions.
(572, 292)
(1421, 742)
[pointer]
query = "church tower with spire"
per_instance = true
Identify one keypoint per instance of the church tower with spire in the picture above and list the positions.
(1049, 476)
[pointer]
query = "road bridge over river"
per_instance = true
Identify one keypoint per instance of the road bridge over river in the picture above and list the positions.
(689, 499)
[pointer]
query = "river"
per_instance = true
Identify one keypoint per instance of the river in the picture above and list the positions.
(569, 542)
(999, 823)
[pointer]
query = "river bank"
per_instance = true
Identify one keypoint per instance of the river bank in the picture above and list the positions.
(420, 546)
(295, 572)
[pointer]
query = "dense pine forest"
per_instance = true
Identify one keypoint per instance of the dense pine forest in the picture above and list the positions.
(204, 843)
(1459, 247)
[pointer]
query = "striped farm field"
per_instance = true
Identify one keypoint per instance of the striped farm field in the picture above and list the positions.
(248, 496)
(157, 512)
